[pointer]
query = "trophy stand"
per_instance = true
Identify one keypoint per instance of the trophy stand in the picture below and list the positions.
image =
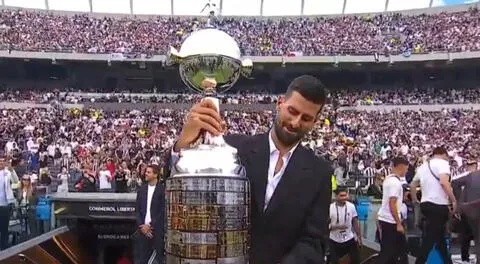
(208, 193)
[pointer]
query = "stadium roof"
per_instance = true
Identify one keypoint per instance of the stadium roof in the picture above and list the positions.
(232, 7)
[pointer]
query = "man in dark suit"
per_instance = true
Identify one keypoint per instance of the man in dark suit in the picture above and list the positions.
(149, 238)
(291, 187)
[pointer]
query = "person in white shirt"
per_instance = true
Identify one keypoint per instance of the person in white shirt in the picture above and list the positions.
(433, 177)
(6, 199)
(392, 233)
(105, 179)
(345, 236)
(63, 178)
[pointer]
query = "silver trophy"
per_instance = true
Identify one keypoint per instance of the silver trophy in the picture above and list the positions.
(208, 193)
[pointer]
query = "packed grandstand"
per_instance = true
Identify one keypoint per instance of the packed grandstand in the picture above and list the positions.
(70, 131)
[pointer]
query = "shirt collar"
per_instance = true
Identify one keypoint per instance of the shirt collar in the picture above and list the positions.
(273, 148)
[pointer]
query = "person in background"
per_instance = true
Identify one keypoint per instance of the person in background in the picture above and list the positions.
(345, 234)
(28, 203)
(433, 177)
(87, 182)
(149, 238)
(6, 199)
(12, 174)
(63, 179)
(375, 190)
(122, 176)
(105, 179)
(392, 232)
(468, 186)
(463, 228)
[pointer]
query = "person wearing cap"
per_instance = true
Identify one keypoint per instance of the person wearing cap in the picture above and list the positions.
(433, 177)
(467, 188)
(392, 233)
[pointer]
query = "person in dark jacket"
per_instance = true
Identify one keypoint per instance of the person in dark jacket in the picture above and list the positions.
(466, 187)
(87, 183)
(290, 186)
(149, 237)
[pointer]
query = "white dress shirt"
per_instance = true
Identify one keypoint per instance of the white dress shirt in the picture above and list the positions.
(150, 191)
(273, 179)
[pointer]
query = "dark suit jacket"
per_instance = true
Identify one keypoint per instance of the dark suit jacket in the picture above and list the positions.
(157, 212)
(294, 227)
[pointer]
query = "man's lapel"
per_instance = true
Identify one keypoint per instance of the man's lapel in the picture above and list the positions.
(296, 170)
(256, 164)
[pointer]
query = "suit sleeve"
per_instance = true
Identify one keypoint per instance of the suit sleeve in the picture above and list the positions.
(140, 221)
(311, 246)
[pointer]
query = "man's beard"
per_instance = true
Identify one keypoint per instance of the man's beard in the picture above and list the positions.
(284, 137)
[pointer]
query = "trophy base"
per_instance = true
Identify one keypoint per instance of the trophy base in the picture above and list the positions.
(207, 219)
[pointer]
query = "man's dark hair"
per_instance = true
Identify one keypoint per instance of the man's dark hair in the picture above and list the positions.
(309, 87)
(399, 161)
(440, 151)
(340, 190)
(155, 168)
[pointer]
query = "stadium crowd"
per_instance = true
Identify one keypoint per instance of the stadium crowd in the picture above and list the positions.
(88, 150)
(357, 35)
(400, 96)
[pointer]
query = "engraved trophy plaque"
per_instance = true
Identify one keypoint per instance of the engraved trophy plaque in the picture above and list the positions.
(208, 193)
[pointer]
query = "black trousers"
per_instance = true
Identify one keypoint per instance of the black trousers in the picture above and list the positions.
(393, 245)
(144, 247)
(436, 218)
(338, 250)
(4, 222)
(473, 218)
(465, 236)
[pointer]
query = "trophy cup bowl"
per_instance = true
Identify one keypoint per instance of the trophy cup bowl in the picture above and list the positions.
(208, 193)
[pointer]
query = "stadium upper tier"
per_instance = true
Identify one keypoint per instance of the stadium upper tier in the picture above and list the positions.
(233, 7)
(395, 33)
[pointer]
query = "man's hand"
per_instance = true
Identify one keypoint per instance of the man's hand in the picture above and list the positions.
(147, 230)
(201, 117)
(453, 208)
(359, 241)
(400, 229)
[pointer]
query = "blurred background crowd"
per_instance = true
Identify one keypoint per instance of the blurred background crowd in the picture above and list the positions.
(351, 35)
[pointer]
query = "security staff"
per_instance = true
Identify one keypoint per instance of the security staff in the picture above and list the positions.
(392, 233)
(343, 223)
(468, 187)
(433, 177)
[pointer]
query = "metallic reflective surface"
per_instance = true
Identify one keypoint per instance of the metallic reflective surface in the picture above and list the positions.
(210, 54)
(208, 193)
